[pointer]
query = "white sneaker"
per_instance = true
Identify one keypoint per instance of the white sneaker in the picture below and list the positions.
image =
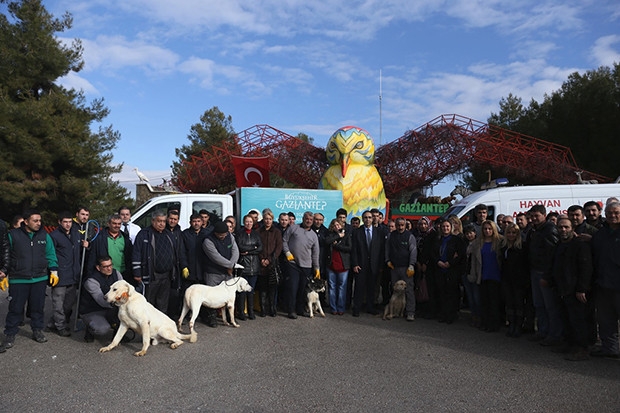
(410, 317)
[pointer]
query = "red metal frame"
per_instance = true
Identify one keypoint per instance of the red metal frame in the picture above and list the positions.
(444, 146)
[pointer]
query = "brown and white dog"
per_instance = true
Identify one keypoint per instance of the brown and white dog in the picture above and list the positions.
(137, 314)
(222, 295)
(396, 306)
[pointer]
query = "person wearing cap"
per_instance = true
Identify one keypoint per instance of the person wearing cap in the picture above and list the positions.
(222, 255)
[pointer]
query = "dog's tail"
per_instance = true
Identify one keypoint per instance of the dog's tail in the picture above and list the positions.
(192, 336)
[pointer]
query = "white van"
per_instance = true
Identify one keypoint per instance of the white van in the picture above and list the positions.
(219, 207)
(515, 199)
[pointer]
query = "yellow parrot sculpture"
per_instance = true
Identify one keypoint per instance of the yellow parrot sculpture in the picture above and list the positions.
(351, 153)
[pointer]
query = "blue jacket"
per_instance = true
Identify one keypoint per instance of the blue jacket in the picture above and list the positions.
(68, 255)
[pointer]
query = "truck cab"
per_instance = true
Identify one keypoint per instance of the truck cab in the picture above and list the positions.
(219, 207)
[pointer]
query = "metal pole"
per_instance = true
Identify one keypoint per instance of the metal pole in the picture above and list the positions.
(79, 286)
(380, 111)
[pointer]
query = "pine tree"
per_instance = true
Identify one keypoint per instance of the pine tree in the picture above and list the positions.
(50, 158)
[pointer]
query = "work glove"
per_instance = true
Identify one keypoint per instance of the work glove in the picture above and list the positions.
(410, 271)
(317, 273)
(390, 265)
(4, 283)
(289, 256)
(185, 273)
(53, 278)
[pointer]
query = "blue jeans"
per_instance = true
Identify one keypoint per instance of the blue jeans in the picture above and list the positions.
(337, 290)
(472, 290)
(548, 303)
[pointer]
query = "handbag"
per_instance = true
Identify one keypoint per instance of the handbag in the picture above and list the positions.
(421, 291)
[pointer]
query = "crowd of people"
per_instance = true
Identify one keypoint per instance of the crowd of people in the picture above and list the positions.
(553, 277)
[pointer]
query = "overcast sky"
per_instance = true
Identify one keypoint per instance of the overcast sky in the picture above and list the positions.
(313, 66)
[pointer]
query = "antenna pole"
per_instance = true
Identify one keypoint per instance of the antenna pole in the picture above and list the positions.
(380, 111)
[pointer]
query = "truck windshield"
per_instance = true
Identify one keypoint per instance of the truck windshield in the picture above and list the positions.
(145, 220)
(214, 208)
(453, 210)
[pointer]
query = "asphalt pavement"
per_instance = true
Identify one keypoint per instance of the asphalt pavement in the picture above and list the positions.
(332, 364)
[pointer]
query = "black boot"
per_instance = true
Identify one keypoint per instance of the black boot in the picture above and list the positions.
(240, 306)
(250, 301)
(212, 318)
(271, 298)
(511, 327)
(518, 323)
(264, 309)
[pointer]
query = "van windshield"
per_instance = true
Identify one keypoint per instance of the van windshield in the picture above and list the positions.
(145, 220)
(453, 210)
(213, 208)
(469, 216)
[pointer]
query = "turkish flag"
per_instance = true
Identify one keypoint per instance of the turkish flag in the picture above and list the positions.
(251, 171)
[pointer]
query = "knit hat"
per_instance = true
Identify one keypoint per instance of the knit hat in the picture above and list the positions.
(220, 228)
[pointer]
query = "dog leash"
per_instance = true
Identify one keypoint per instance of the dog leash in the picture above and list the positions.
(230, 285)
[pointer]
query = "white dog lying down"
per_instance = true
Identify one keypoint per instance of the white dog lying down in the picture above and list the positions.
(139, 315)
(221, 295)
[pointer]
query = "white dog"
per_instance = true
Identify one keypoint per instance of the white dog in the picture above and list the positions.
(139, 315)
(314, 287)
(222, 295)
(396, 306)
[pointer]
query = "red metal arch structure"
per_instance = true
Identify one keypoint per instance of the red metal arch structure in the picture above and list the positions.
(293, 159)
(444, 146)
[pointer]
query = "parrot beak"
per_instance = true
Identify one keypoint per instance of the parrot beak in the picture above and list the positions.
(345, 164)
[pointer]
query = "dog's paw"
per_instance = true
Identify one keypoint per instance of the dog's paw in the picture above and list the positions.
(322, 314)
(236, 325)
(104, 349)
(175, 345)
(139, 353)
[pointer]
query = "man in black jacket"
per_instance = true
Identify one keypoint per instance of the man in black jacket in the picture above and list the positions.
(606, 253)
(367, 259)
(33, 264)
(572, 275)
(192, 256)
(155, 261)
(401, 254)
(541, 241)
(68, 245)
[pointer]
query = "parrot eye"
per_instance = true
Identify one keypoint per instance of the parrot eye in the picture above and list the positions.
(332, 145)
(359, 145)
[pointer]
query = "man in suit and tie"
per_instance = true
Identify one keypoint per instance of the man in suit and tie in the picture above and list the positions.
(367, 257)
(127, 227)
